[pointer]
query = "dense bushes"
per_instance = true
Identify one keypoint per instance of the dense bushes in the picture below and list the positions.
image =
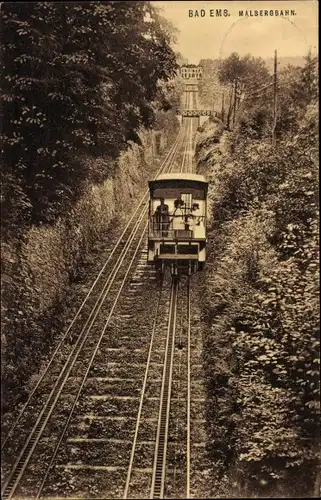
(262, 308)
(83, 87)
(79, 81)
(35, 280)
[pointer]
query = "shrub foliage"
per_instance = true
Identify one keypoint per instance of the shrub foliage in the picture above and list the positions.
(262, 299)
(79, 79)
(81, 84)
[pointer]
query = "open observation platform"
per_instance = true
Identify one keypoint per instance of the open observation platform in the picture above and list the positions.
(182, 223)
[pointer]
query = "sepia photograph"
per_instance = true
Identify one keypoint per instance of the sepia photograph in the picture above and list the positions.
(160, 332)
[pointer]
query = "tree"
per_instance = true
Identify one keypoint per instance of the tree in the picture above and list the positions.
(263, 287)
(297, 88)
(249, 71)
(210, 88)
(79, 81)
(309, 80)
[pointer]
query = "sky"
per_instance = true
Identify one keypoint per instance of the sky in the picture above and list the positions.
(212, 37)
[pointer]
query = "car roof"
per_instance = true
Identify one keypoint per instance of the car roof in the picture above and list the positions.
(163, 181)
(180, 176)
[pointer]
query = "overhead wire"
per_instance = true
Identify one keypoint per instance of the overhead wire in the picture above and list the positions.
(255, 87)
(260, 89)
(258, 92)
(315, 61)
(258, 84)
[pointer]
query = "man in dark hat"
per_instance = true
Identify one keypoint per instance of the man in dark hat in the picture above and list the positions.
(162, 217)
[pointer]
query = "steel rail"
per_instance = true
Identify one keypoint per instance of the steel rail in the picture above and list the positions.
(87, 371)
(191, 149)
(184, 148)
(43, 418)
(188, 423)
(131, 460)
(31, 442)
(185, 162)
(179, 338)
(186, 126)
(165, 161)
(190, 152)
(159, 467)
(91, 361)
(46, 412)
(186, 165)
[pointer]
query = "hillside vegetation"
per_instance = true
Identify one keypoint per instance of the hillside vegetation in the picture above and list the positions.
(88, 105)
(262, 340)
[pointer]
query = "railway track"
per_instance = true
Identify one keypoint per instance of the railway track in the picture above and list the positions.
(195, 104)
(104, 277)
(156, 481)
(75, 357)
(159, 469)
(188, 164)
(102, 285)
(153, 479)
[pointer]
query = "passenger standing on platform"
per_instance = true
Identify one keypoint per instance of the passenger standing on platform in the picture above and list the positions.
(178, 214)
(197, 219)
(196, 213)
(162, 217)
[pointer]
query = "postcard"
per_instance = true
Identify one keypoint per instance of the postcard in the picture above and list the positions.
(160, 250)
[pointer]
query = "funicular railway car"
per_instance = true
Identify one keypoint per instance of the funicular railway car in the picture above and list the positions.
(177, 222)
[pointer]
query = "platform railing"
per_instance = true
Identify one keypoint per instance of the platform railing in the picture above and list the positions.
(176, 226)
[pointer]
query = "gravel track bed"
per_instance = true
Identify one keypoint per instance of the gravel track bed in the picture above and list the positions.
(84, 482)
(197, 372)
(153, 387)
(175, 484)
(177, 427)
(200, 456)
(179, 388)
(112, 453)
(198, 433)
(140, 484)
(112, 406)
(115, 370)
(150, 408)
(125, 407)
(118, 397)
(106, 429)
(176, 455)
(73, 301)
(107, 411)
(200, 471)
(147, 430)
(120, 387)
(119, 356)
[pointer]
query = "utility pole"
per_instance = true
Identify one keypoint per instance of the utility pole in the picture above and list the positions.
(275, 90)
(234, 107)
(223, 107)
(230, 109)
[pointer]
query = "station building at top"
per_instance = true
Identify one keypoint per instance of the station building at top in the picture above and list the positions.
(191, 71)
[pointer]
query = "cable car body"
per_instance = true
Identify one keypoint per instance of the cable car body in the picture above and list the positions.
(177, 225)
